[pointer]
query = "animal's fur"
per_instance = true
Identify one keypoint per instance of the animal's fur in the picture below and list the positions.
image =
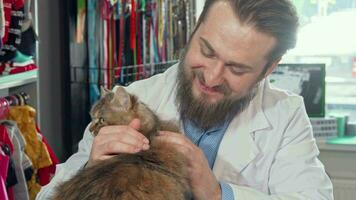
(156, 174)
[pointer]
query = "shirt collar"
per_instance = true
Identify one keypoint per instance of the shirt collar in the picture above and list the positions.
(190, 127)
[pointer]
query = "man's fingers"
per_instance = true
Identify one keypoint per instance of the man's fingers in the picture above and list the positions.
(172, 137)
(121, 132)
(133, 141)
(138, 135)
(117, 147)
(135, 124)
(113, 140)
(180, 142)
(169, 133)
(127, 139)
(105, 157)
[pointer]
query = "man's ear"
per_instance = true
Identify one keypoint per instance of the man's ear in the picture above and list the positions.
(272, 66)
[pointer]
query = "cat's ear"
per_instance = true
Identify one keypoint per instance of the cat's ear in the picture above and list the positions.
(122, 97)
(103, 91)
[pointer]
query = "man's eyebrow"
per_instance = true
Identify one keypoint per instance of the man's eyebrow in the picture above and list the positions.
(207, 44)
(239, 65)
(230, 63)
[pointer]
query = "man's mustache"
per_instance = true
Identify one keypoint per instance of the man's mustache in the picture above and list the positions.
(223, 88)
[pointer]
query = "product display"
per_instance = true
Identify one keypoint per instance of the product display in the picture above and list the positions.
(125, 35)
(18, 39)
(28, 160)
(324, 127)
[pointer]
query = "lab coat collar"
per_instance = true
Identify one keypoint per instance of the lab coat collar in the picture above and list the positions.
(255, 111)
(238, 148)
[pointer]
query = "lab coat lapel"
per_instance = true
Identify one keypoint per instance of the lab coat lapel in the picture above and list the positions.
(238, 148)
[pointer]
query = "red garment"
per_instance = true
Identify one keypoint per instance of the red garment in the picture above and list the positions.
(139, 69)
(3, 192)
(107, 65)
(17, 70)
(4, 108)
(45, 174)
(11, 68)
(10, 5)
(133, 25)
(121, 42)
(5, 139)
(10, 193)
(4, 163)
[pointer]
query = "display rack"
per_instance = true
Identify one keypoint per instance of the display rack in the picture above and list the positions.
(28, 81)
(23, 82)
(17, 80)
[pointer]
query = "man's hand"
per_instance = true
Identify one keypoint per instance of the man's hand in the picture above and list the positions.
(113, 140)
(201, 178)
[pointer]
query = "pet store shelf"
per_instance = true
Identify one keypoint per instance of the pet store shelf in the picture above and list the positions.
(19, 79)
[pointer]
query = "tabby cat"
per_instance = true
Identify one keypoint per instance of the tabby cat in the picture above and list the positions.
(156, 174)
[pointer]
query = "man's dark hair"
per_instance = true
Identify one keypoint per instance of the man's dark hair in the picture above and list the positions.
(276, 18)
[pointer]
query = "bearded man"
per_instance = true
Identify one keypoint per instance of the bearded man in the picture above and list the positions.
(242, 138)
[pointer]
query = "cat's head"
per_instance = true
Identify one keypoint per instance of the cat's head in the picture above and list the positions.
(118, 108)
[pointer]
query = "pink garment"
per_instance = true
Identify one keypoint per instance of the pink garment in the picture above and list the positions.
(45, 174)
(4, 163)
(4, 108)
(9, 5)
(3, 193)
(5, 139)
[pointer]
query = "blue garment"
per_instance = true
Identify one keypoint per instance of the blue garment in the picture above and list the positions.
(93, 70)
(209, 142)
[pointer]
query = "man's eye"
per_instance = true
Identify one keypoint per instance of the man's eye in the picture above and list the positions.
(208, 54)
(237, 71)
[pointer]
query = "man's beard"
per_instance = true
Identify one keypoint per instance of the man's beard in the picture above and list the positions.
(202, 114)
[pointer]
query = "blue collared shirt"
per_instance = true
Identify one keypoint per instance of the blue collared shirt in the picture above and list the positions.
(209, 142)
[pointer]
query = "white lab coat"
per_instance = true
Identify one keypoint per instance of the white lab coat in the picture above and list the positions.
(268, 151)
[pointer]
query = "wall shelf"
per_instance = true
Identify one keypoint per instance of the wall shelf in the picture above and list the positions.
(338, 144)
(19, 79)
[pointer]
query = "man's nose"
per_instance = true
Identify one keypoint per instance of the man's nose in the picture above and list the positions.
(214, 74)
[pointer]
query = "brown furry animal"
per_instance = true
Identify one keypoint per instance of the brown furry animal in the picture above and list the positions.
(156, 174)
